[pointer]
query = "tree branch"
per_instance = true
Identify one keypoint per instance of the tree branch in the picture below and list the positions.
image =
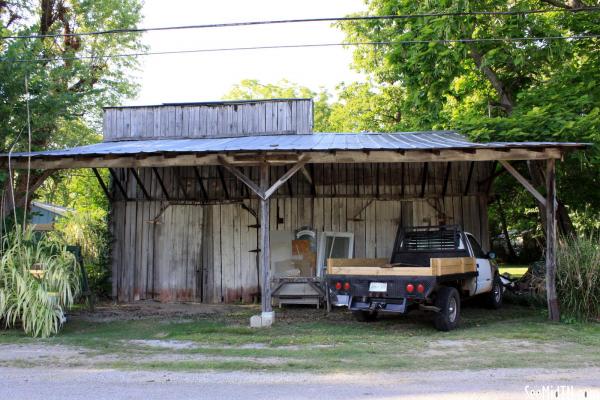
(506, 100)
(569, 4)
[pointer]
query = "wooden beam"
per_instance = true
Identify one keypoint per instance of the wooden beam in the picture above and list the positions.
(469, 177)
(316, 157)
(222, 179)
(179, 182)
(200, 183)
(118, 183)
(242, 177)
(402, 168)
(524, 182)
(140, 183)
(423, 179)
(286, 176)
(265, 242)
(161, 183)
(446, 179)
(553, 310)
(102, 184)
(309, 177)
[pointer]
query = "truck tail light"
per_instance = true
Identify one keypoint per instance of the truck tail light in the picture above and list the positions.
(338, 286)
(410, 288)
(420, 288)
(347, 286)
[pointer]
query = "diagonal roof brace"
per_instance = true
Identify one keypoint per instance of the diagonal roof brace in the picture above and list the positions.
(523, 181)
(256, 188)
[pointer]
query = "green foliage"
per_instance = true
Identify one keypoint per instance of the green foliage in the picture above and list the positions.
(66, 96)
(37, 302)
(544, 90)
(87, 226)
(88, 229)
(578, 278)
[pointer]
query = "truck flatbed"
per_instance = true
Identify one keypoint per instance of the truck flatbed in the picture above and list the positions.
(381, 266)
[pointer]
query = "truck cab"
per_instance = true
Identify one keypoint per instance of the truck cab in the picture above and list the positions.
(431, 268)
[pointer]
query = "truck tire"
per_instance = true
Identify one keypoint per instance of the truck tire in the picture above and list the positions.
(365, 316)
(493, 299)
(448, 301)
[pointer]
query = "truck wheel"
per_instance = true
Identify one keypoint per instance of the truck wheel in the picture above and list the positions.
(494, 297)
(365, 316)
(448, 301)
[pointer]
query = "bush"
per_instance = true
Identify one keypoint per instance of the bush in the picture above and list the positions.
(36, 299)
(578, 277)
(88, 229)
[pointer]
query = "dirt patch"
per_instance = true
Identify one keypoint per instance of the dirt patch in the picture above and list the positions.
(444, 347)
(171, 312)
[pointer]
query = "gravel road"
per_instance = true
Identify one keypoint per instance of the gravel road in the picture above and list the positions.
(75, 383)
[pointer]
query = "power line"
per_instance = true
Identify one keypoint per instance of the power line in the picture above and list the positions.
(306, 45)
(305, 20)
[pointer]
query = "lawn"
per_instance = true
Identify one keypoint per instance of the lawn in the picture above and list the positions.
(307, 339)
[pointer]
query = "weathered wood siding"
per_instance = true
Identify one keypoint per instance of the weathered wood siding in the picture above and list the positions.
(198, 244)
(224, 119)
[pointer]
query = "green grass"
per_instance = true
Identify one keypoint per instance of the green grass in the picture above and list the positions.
(310, 340)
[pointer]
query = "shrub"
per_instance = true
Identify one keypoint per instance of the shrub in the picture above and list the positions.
(39, 280)
(578, 277)
(88, 229)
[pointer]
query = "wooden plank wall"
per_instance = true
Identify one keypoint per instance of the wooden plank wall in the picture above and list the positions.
(200, 120)
(193, 247)
(203, 252)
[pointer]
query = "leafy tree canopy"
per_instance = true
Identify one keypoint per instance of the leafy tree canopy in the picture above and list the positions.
(543, 90)
(66, 94)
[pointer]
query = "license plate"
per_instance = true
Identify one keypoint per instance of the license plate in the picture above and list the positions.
(378, 287)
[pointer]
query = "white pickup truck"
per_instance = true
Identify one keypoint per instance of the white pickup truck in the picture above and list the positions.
(431, 268)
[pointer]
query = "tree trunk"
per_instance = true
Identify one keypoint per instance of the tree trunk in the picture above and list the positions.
(511, 250)
(506, 101)
(36, 179)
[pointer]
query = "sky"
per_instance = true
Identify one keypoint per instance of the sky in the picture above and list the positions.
(208, 76)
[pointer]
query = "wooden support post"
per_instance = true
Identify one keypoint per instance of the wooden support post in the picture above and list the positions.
(265, 242)
(102, 184)
(553, 310)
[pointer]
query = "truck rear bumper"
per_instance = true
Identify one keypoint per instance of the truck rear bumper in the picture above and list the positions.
(379, 304)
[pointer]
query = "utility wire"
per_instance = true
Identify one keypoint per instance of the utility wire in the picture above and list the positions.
(306, 20)
(295, 46)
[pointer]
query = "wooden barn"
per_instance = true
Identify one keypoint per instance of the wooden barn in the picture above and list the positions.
(195, 186)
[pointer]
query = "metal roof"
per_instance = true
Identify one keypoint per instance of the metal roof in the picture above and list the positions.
(407, 141)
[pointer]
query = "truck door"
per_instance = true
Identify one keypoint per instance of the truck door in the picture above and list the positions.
(484, 268)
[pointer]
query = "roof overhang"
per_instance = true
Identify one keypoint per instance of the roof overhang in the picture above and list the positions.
(440, 146)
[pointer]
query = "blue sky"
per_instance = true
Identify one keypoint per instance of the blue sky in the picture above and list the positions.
(207, 76)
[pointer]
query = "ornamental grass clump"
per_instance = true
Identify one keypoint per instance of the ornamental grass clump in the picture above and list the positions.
(39, 281)
(578, 278)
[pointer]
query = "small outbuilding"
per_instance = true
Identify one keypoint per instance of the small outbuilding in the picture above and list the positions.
(210, 200)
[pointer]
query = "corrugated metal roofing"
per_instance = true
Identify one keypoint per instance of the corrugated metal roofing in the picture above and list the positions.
(431, 140)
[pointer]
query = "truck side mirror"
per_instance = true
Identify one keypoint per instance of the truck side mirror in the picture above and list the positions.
(491, 255)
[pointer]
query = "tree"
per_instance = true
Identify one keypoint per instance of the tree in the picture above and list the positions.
(496, 90)
(66, 92)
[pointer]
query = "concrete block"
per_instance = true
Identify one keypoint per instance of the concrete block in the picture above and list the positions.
(264, 320)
